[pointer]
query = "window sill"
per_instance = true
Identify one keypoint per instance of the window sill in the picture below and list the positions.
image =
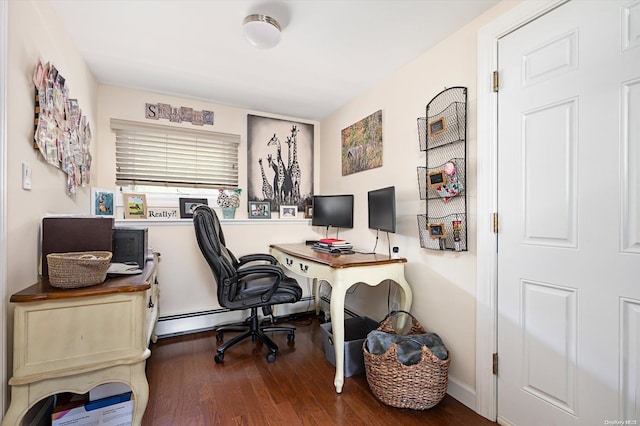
(188, 222)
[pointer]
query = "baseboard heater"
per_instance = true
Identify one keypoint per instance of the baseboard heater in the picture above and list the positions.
(193, 322)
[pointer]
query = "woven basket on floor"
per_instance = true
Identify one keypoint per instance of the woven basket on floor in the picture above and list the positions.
(78, 269)
(419, 386)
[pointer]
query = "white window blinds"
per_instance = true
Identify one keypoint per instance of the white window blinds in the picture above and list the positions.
(153, 154)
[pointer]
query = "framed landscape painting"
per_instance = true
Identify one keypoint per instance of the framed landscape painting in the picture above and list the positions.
(135, 206)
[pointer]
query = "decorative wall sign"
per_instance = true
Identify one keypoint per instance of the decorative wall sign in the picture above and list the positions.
(362, 145)
(162, 213)
(62, 133)
(178, 115)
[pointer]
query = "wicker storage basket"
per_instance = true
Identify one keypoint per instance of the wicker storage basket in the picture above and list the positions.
(78, 269)
(419, 386)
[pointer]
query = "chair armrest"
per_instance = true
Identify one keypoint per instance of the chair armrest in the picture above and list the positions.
(264, 269)
(261, 269)
(256, 257)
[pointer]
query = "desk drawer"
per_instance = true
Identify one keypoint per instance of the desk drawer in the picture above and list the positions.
(301, 266)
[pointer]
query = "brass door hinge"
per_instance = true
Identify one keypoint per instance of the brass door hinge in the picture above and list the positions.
(495, 223)
(495, 363)
(496, 81)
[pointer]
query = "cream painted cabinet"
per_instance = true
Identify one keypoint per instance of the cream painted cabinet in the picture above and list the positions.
(71, 340)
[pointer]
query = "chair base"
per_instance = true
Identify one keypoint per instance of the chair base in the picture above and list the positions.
(255, 331)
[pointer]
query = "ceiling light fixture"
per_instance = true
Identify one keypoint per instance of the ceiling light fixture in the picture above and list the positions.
(261, 31)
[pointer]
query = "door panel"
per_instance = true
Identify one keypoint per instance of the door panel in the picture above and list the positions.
(569, 208)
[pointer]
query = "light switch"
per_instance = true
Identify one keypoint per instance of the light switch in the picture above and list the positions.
(26, 176)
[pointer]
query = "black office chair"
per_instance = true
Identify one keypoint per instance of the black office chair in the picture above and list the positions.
(243, 286)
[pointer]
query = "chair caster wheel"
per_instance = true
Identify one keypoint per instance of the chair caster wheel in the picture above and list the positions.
(219, 358)
(219, 336)
(291, 336)
(271, 357)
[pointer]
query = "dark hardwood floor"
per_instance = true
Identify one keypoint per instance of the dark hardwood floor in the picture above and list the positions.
(187, 387)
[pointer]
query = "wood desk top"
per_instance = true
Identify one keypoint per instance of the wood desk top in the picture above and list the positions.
(42, 290)
(335, 261)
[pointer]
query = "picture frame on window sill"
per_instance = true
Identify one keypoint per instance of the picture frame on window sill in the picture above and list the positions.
(135, 206)
(102, 202)
(188, 205)
(259, 210)
(288, 212)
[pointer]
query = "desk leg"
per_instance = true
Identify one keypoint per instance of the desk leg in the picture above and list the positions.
(19, 405)
(140, 389)
(338, 294)
(316, 295)
(406, 299)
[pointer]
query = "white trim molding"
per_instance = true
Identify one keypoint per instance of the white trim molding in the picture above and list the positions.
(487, 269)
(4, 21)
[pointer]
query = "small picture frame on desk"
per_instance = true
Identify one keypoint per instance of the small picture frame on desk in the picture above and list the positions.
(259, 210)
(308, 211)
(188, 205)
(288, 212)
(135, 206)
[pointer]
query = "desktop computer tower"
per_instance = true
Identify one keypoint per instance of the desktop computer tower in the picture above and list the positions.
(130, 245)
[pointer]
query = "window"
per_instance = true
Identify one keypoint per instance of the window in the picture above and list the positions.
(157, 155)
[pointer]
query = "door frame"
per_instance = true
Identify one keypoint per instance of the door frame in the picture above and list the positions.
(487, 175)
(4, 35)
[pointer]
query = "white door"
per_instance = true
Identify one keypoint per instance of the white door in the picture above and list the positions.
(569, 213)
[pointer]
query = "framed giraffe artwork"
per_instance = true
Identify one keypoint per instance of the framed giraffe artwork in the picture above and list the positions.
(280, 162)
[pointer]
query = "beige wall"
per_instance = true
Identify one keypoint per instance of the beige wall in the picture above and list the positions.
(34, 32)
(443, 283)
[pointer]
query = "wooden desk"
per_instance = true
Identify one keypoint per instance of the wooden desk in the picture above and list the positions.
(71, 340)
(341, 272)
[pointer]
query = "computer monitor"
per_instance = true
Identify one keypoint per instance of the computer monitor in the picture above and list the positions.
(333, 210)
(382, 209)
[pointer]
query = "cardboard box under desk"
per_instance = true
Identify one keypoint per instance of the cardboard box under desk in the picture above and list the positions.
(355, 332)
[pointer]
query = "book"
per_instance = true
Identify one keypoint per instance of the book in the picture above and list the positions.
(330, 240)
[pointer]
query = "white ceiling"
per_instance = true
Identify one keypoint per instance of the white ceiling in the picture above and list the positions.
(331, 50)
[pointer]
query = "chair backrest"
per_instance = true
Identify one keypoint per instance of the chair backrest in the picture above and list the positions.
(222, 262)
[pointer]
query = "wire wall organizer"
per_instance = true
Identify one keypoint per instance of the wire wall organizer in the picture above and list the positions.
(442, 182)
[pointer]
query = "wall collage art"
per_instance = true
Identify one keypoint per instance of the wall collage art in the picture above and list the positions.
(62, 132)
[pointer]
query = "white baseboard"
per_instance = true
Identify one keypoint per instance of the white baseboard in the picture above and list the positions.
(462, 393)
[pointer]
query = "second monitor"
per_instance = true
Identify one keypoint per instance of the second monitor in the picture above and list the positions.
(382, 209)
